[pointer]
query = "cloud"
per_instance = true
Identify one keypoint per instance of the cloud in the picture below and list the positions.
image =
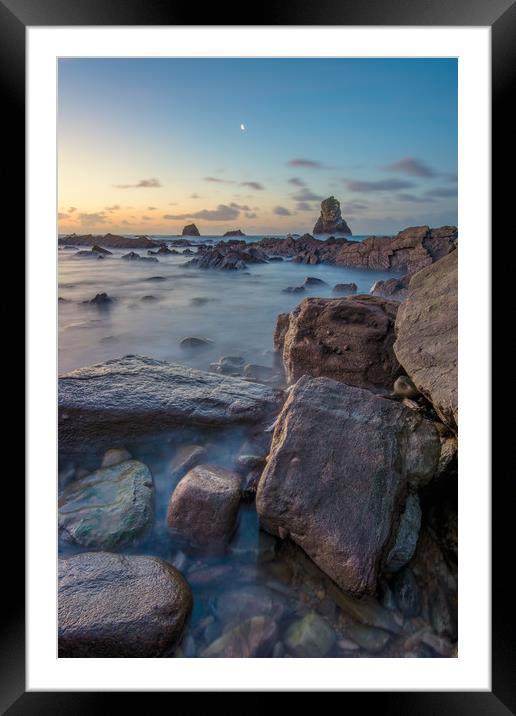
(250, 215)
(115, 207)
(452, 177)
(146, 218)
(442, 192)
(281, 211)
(410, 166)
(92, 219)
(306, 195)
(382, 185)
(143, 183)
(216, 180)
(72, 209)
(349, 206)
(240, 207)
(194, 196)
(413, 199)
(62, 216)
(221, 213)
(303, 206)
(306, 163)
(253, 185)
(152, 208)
(296, 181)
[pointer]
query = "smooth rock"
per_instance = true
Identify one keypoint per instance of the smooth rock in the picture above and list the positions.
(313, 281)
(427, 333)
(310, 637)
(347, 339)
(186, 457)
(109, 508)
(365, 451)
(407, 535)
(114, 456)
(120, 606)
(252, 638)
(194, 342)
(204, 505)
(345, 289)
(406, 592)
(405, 388)
(249, 601)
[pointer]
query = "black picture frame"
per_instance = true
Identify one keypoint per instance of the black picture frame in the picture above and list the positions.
(500, 15)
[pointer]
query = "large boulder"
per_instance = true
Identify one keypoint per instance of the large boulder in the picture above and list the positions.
(348, 339)
(330, 221)
(133, 396)
(426, 336)
(203, 507)
(120, 606)
(410, 250)
(338, 474)
(109, 508)
(190, 230)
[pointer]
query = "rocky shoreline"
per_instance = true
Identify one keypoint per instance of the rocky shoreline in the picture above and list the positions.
(346, 449)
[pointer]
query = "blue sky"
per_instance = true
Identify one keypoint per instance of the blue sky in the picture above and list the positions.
(147, 145)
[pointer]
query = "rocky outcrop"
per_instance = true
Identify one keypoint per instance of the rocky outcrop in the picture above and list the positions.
(133, 256)
(330, 220)
(411, 250)
(230, 256)
(393, 288)
(203, 507)
(99, 250)
(120, 606)
(134, 396)
(234, 233)
(112, 240)
(345, 289)
(426, 336)
(190, 230)
(108, 508)
(347, 339)
(366, 452)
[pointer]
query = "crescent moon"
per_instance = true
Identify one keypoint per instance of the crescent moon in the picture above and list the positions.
(242, 127)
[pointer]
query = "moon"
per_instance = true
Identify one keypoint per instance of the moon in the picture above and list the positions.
(242, 127)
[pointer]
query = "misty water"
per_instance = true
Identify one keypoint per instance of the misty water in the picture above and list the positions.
(257, 575)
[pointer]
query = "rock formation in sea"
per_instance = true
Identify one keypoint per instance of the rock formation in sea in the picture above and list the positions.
(190, 230)
(236, 232)
(330, 221)
(112, 240)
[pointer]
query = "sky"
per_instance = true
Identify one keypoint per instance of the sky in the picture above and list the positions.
(146, 146)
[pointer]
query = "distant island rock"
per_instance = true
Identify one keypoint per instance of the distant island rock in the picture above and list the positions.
(190, 230)
(238, 232)
(330, 220)
(112, 240)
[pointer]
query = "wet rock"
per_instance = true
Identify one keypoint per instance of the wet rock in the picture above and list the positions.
(99, 250)
(405, 388)
(185, 458)
(189, 647)
(312, 281)
(310, 637)
(278, 651)
(238, 605)
(109, 508)
(250, 484)
(252, 638)
(369, 638)
(199, 301)
(156, 278)
(426, 336)
(190, 230)
(204, 505)
(120, 606)
(89, 254)
(136, 396)
(293, 289)
(260, 373)
(440, 645)
(330, 220)
(114, 456)
(236, 232)
(345, 289)
(407, 535)
(247, 462)
(195, 343)
(229, 365)
(406, 592)
(112, 240)
(101, 299)
(347, 339)
(393, 288)
(366, 611)
(366, 450)
(201, 576)
(149, 299)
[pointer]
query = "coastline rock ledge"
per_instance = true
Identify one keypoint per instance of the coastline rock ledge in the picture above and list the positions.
(330, 220)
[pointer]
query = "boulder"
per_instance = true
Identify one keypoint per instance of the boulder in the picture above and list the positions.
(108, 508)
(314, 281)
(204, 506)
(347, 339)
(114, 456)
(195, 343)
(310, 637)
(405, 388)
(186, 457)
(393, 288)
(426, 336)
(134, 396)
(190, 230)
(229, 365)
(99, 250)
(113, 605)
(133, 256)
(330, 221)
(337, 476)
(345, 289)
(101, 299)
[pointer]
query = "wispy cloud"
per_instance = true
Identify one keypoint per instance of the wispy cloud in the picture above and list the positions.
(253, 185)
(194, 196)
(217, 180)
(240, 207)
(92, 219)
(296, 181)
(223, 212)
(142, 184)
(412, 198)
(306, 195)
(250, 215)
(410, 166)
(152, 208)
(383, 185)
(303, 206)
(282, 211)
(441, 192)
(306, 163)
(72, 209)
(115, 207)
(62, 216)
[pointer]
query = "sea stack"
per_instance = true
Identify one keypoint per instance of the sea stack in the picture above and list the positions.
(330, 221)
(238, 232)
(190, 230)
